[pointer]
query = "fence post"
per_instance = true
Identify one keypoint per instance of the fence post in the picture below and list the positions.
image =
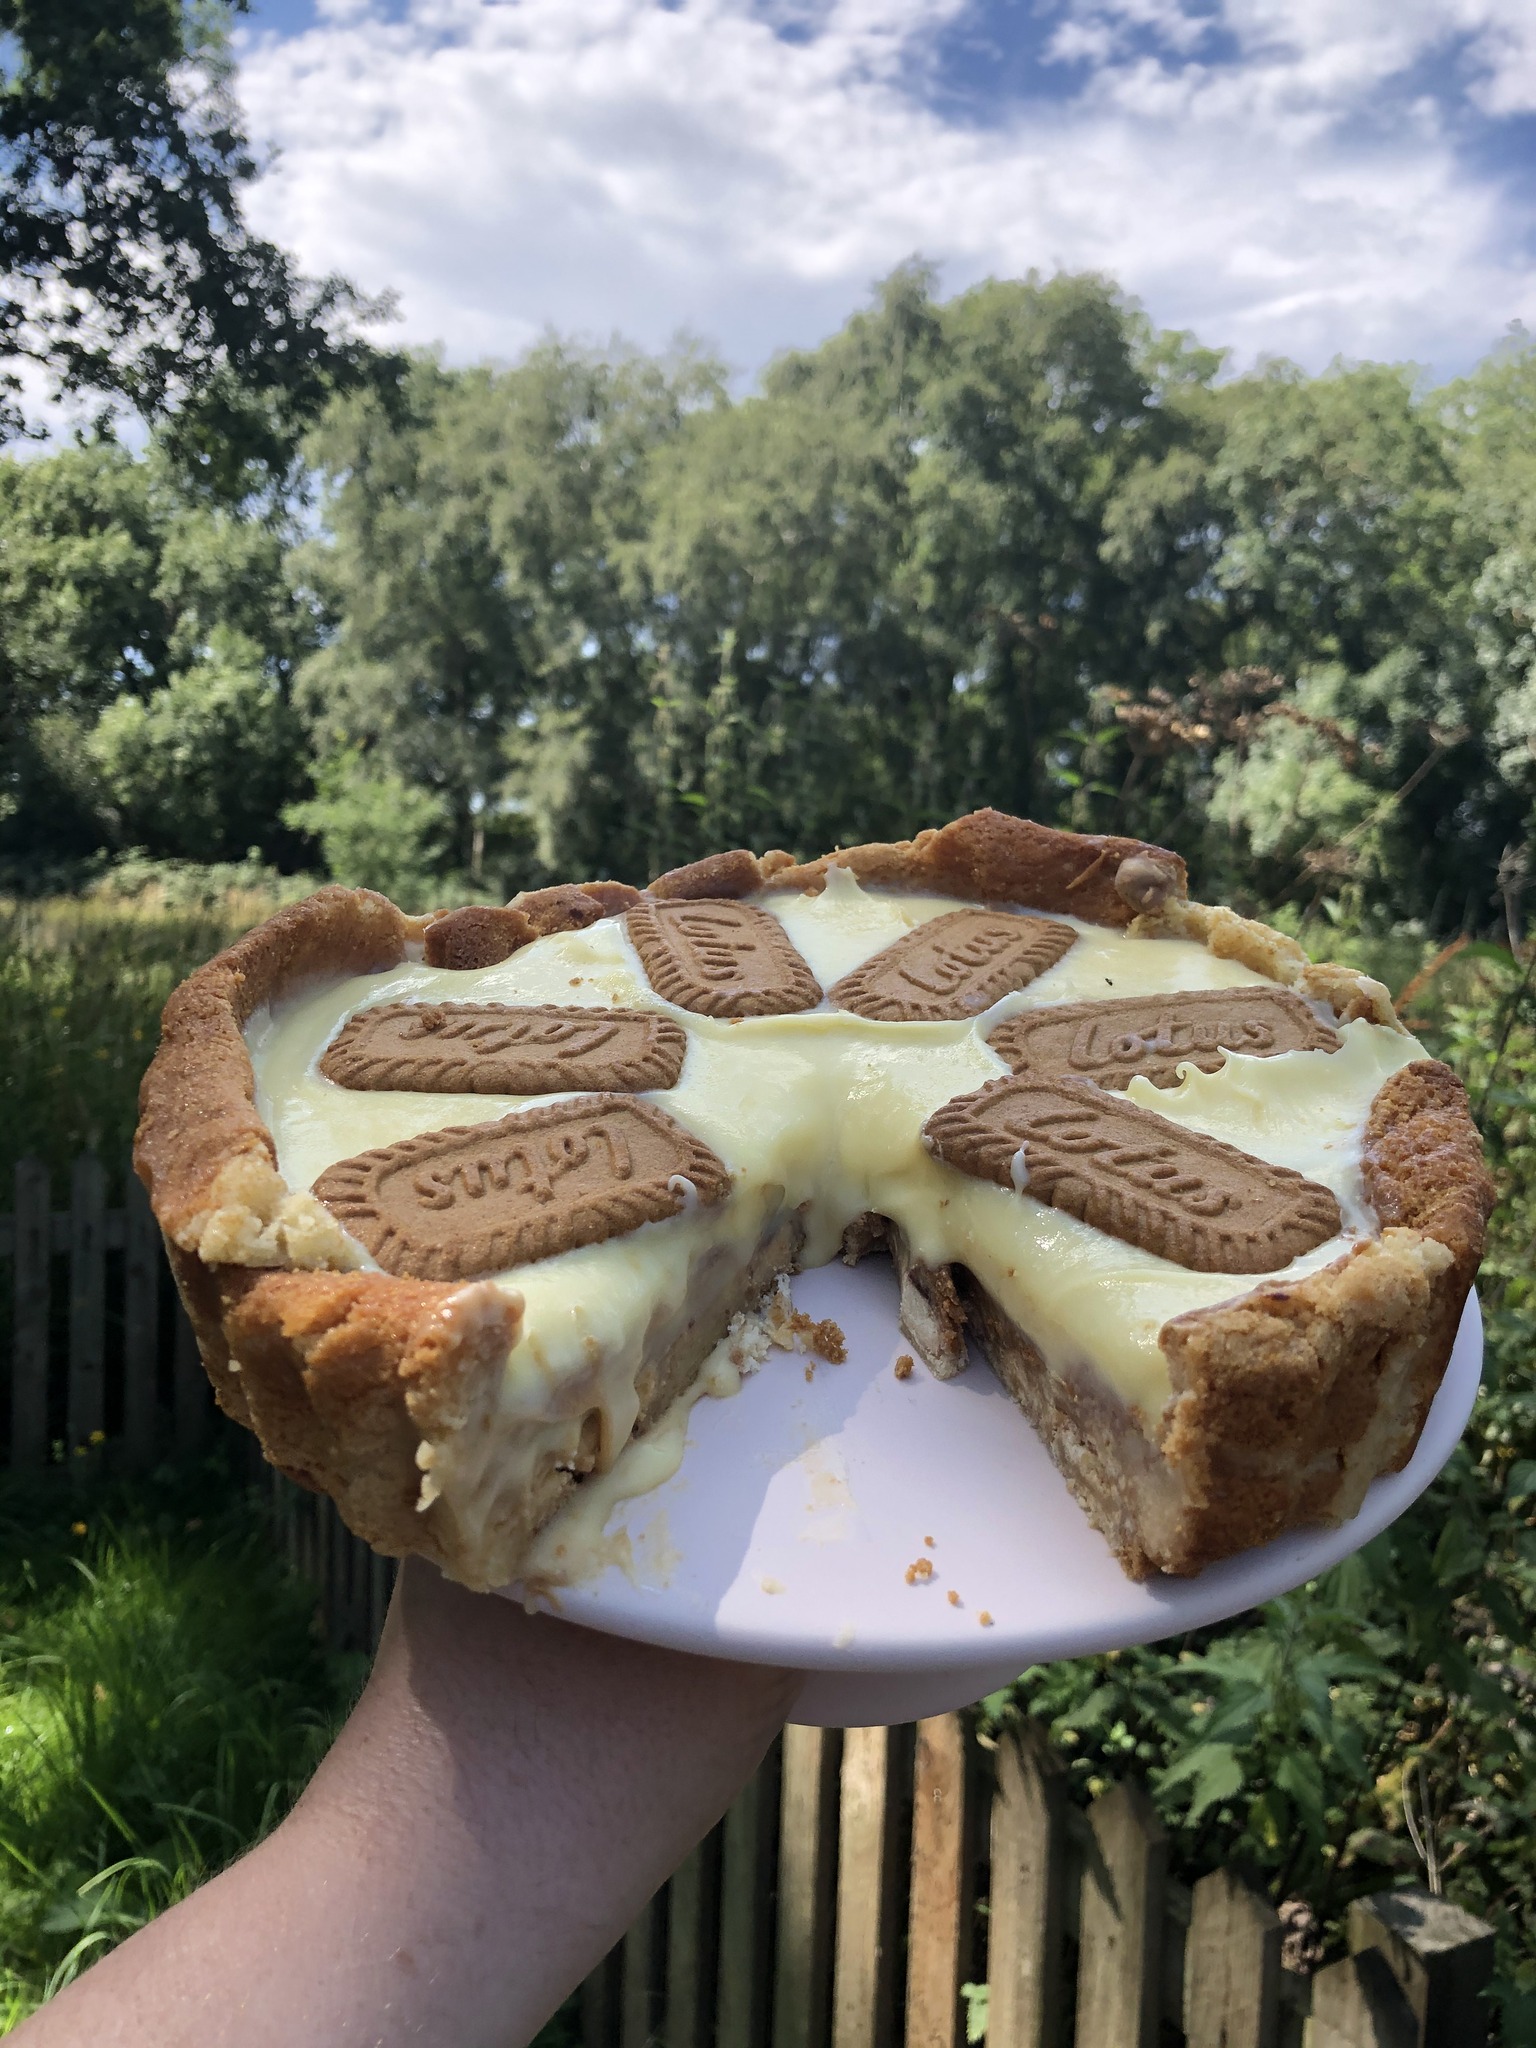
(1025, 1910)
(1357, 2004)
(142, 1260)
(1120, 1927)
(939, 1912)
(866, 1960)
(802, 1991)
(693, 1908)
(86, 1410)
(32, 1251)
(746, 1880)
(1440, 1956)
(192, 1391)
(600, 2002)
(381, 1579)
(638, 2000)
(1231, 1966)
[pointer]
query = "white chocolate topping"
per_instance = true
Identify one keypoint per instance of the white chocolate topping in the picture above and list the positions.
(822, 1111)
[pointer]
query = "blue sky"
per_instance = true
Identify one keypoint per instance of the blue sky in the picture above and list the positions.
(1298, 177)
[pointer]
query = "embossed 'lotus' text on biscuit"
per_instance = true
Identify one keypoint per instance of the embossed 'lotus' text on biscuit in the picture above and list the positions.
(1134, 1175)
(1155, 1035)
(499, 1049)
(954, 966)
(476, 1199)
(721, 959)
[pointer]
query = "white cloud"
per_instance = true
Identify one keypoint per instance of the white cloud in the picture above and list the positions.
(621, 165)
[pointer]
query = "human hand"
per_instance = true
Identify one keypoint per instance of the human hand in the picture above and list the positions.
(507, 1793)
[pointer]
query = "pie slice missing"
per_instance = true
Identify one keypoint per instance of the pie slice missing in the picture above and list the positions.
(459, 1205)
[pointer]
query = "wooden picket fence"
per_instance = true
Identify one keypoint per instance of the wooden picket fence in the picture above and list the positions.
(102, 1353)
(104, 1371)
(867, 1876)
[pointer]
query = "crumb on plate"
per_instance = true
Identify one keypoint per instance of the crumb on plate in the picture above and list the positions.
(794, 1330)
(904, 1366)
(984, 1618)
(920, 1571)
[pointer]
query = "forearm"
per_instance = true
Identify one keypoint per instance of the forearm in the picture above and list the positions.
(506, 1795)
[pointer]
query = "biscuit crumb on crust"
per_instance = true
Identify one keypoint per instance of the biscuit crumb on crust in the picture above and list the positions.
(990, 857)
(1422, 1161)
(1347, 993)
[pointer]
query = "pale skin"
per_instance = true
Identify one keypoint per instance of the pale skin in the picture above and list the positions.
(506, 1795)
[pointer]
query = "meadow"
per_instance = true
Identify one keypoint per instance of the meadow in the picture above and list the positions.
(1311, 1740)
(83, 979)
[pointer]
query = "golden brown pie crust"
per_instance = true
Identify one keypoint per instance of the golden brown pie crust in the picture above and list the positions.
(1286, 1402)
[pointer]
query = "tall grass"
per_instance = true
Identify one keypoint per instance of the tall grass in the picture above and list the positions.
(82, 982)
(163, 1700)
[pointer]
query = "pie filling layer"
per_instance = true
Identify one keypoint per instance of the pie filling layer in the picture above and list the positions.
(822, 1111)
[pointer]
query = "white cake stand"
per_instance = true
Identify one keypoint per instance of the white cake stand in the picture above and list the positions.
(787, 1533)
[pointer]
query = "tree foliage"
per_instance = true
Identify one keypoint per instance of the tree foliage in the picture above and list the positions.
(596, 615)
(128, 269)
(148, 642)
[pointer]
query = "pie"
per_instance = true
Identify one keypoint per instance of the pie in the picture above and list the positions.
(460, 1204)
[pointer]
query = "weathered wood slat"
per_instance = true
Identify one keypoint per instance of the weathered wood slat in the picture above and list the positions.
(339, 1583)
(1026, 1903)
(192, 1393)
(866, 1962)
(1231, 1966)
(381, 1580)
(746, 1878)
(599, 2002)
(31, 1247)
(1441, 1957)
(638, 2000)
(1357, 2004)
(693, 1933)
(1176, 1912)
(320, 1567)
(86, 1411)
(113, 1227)
(802, 1992)
(939, 1904)
(308, 1535)
(1120, 1923)
(143, 1263)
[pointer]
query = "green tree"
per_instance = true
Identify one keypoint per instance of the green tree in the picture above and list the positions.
(147, 643)
(376, 830)
(203, 768)
(1345, 562)
(128, 268)
(484, 641)
(919, 551)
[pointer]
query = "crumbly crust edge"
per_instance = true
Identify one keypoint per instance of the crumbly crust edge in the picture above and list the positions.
(361, 1374)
